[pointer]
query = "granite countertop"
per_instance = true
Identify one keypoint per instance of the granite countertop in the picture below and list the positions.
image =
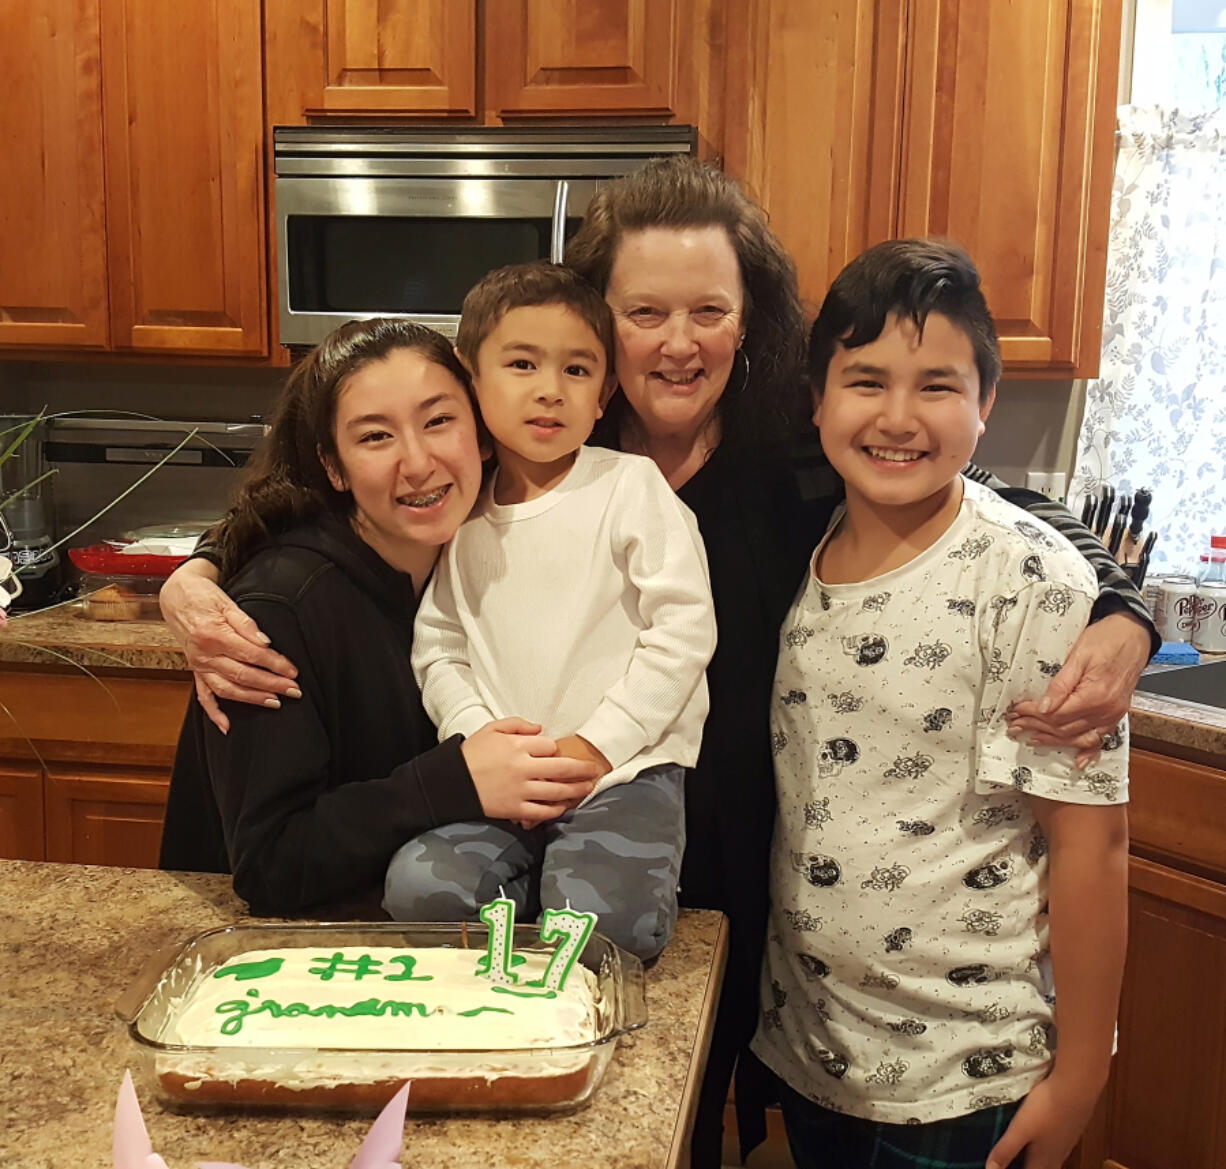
(1177, 723)
(73, 937)
(50, 636)
(53, 635)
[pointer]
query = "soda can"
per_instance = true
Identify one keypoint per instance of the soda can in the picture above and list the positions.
(1149, 591)
(1176, 608)
(1209, 634)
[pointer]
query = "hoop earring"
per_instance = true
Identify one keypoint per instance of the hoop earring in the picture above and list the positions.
(745, 380)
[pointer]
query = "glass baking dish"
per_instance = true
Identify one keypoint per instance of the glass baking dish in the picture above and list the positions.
(363, 1078)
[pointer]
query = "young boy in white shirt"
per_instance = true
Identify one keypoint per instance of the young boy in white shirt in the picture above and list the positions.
(574, 597)
(933, 878)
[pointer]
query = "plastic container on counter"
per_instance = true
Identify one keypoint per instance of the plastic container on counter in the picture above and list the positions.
(115, 597)
(117, 586)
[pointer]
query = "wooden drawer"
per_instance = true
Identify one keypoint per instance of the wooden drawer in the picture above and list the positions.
(1177, 812)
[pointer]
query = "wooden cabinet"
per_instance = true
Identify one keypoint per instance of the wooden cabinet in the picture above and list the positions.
(371, 57)
(168, 255)
(183, 110)
(85, 763)
(105, 816)
(1164, 1106)
(656, 60)
(581, 56)
(53, 286)
(21, 813)
(990, 123)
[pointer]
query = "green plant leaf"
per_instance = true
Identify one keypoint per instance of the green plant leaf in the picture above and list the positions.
(26, 429)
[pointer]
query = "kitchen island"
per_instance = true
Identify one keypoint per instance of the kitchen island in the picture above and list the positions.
(73, 937)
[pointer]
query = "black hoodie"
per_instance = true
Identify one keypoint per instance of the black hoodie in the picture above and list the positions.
(306, 805)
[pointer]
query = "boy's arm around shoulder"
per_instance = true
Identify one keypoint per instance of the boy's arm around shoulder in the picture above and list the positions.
(656, 538)
(441, 661)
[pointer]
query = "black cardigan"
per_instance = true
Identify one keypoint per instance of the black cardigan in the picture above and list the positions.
(306, 805)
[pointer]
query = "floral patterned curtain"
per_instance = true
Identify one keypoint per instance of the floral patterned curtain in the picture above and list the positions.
(1156, 415)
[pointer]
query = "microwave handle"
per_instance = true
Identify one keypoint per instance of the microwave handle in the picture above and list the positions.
(557, 237)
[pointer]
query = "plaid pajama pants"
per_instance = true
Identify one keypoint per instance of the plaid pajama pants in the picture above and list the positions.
(821, 1139)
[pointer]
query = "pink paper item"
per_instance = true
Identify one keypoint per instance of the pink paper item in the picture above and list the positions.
(133, 1149)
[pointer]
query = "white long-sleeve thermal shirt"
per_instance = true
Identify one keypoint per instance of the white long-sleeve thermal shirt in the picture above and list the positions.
(587, 610)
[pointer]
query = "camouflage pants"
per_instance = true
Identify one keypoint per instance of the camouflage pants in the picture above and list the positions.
(619, 856)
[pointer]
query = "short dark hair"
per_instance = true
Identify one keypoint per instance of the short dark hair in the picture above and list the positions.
(523, 286)
(679, 192)
(286, 483)
(911, 278)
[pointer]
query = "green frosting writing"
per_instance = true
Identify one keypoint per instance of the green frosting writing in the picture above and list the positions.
(242, 971)
(479, 1010)
(360, 967)
(240, 1009)
(406, 975)
(525, 994)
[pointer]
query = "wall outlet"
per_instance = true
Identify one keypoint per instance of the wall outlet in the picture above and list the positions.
(1053, 484)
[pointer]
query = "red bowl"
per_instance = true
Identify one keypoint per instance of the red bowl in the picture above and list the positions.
(108, 559)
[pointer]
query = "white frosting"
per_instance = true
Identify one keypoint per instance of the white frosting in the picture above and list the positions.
(445, 1006)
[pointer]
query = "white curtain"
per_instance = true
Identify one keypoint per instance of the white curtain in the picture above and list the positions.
(1156, 415)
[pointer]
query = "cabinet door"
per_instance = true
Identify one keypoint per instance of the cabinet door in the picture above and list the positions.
(1176, 811)
(375, 57)
(1007, 147)
(582, 56)
(21, 812)
(813, 121)
(1164, 1102)
(53, 288)
(105, 816)
(183, 109)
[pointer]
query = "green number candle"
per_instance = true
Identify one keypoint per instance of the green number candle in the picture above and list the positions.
(499, 915)
(571, 930)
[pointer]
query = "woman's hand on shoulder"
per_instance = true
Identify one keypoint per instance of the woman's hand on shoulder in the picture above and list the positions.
(1091, 694)
(225, 649)
(519, 774)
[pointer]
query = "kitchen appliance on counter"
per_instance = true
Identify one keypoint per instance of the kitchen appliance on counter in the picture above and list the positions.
(402, 221)
(99, 459)
(25, 499)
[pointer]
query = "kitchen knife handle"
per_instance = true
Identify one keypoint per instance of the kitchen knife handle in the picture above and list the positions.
(1140, 511)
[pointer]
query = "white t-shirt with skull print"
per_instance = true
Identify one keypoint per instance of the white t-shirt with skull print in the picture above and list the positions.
(906, 976)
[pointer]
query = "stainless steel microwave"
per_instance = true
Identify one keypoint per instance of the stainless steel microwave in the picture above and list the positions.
(396, 221)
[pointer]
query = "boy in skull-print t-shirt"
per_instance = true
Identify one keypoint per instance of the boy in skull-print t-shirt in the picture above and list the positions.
(933, 876)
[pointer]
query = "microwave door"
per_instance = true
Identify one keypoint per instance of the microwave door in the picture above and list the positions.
(403, 246)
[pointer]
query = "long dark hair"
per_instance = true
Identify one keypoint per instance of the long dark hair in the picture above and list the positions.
(770, 403)
(286, 483)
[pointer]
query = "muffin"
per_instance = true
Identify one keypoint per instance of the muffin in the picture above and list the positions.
(111, 603)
